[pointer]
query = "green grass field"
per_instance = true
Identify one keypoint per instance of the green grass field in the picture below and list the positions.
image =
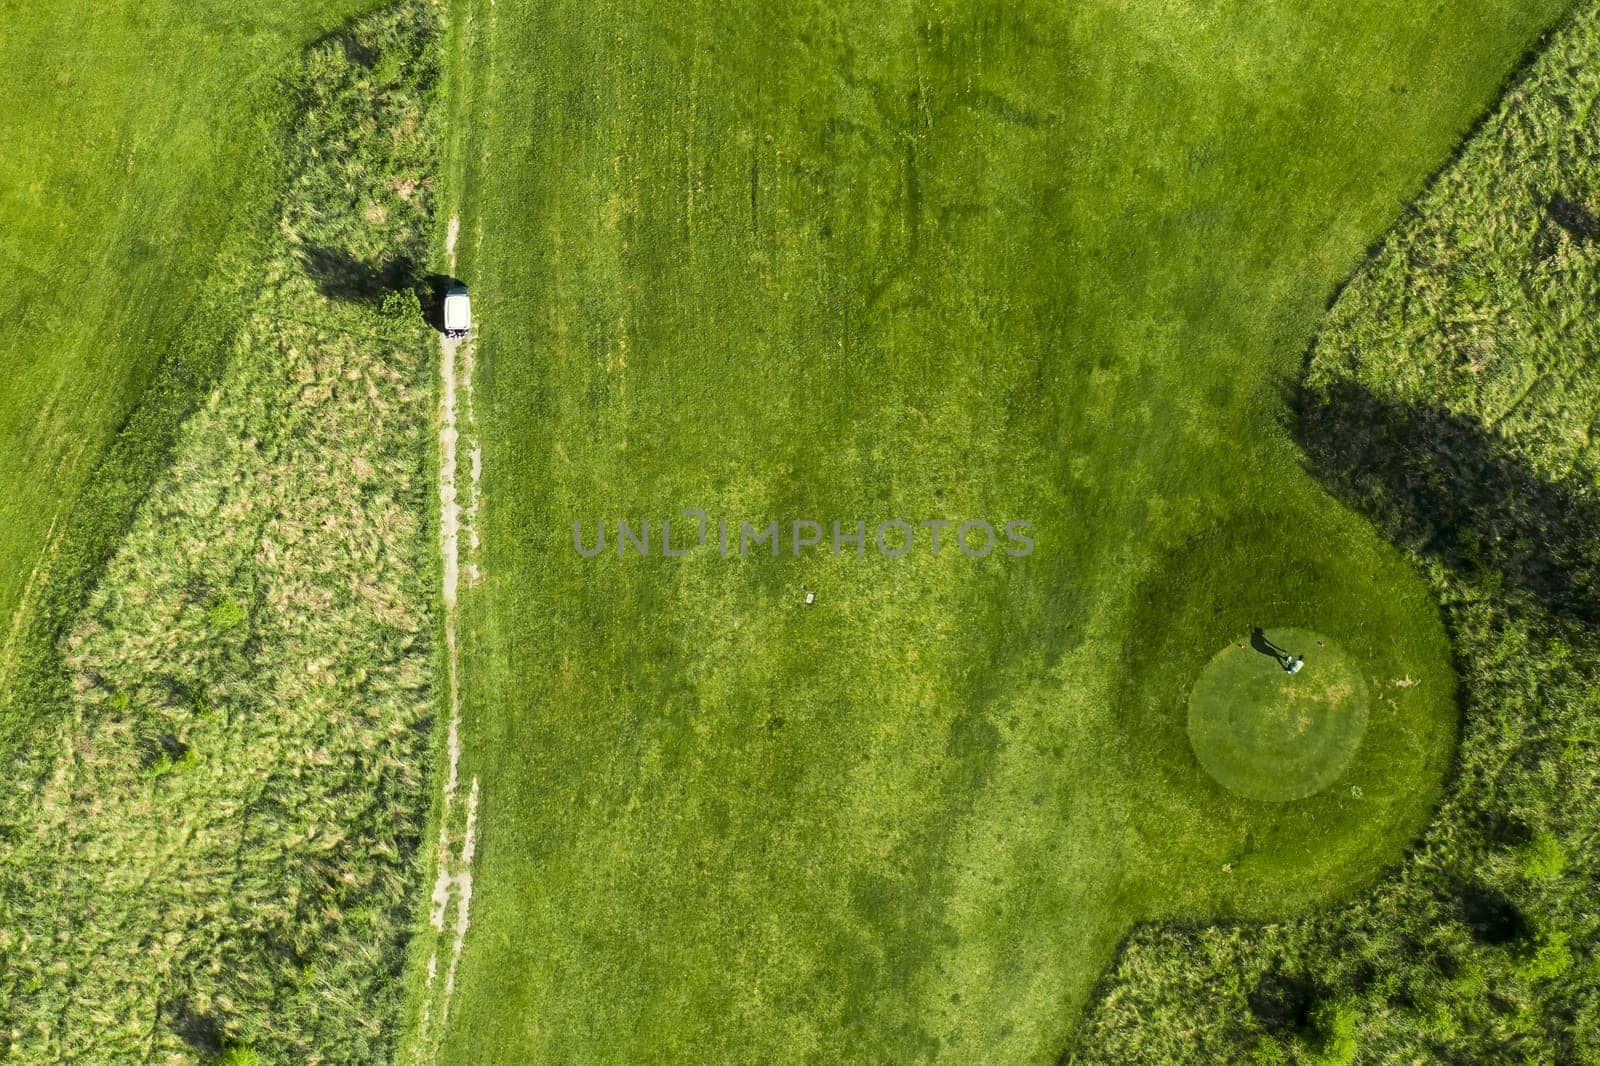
(999, 261)
(1270, 733)
(1006, 261)
(1452, 395)
(133, 138)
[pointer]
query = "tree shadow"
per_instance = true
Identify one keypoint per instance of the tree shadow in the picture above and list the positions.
(200, 1030)
(1577, 220)
(1490, 916)
(1442, 486)
(1282, 1002)
(341, 276)
(359, 52)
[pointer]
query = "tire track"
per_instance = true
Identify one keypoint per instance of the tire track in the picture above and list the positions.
(458, 822)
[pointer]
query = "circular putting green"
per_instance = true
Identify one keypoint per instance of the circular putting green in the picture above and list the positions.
(1271, 735)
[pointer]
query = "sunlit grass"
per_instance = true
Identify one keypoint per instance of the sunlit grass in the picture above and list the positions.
(955, 262)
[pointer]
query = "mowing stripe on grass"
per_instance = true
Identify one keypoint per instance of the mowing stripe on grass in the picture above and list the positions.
(935, 260)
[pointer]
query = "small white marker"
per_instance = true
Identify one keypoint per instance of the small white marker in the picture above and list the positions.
(811, 597)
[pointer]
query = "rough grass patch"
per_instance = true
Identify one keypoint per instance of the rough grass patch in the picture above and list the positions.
(220, 851)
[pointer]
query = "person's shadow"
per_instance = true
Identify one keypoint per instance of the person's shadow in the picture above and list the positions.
(1259, 641)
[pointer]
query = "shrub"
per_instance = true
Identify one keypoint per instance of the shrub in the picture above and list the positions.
(1545, 957)
(1543, 858)
(1333, 1039)
(1268, 1052)
(240, 1056)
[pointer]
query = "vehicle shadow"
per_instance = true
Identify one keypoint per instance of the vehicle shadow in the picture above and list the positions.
(430, 291)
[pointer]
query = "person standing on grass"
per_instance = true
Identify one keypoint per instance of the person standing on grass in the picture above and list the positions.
(1292, 664)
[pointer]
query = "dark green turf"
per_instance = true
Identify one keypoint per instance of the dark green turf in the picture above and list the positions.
(1270, 734)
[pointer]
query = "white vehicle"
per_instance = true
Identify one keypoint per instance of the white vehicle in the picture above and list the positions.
(457, 312)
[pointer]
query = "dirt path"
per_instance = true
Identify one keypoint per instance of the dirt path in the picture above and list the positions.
(458, 821)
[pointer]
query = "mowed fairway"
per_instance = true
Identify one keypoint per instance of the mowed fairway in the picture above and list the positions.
(130, 141)
(1007, 261)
